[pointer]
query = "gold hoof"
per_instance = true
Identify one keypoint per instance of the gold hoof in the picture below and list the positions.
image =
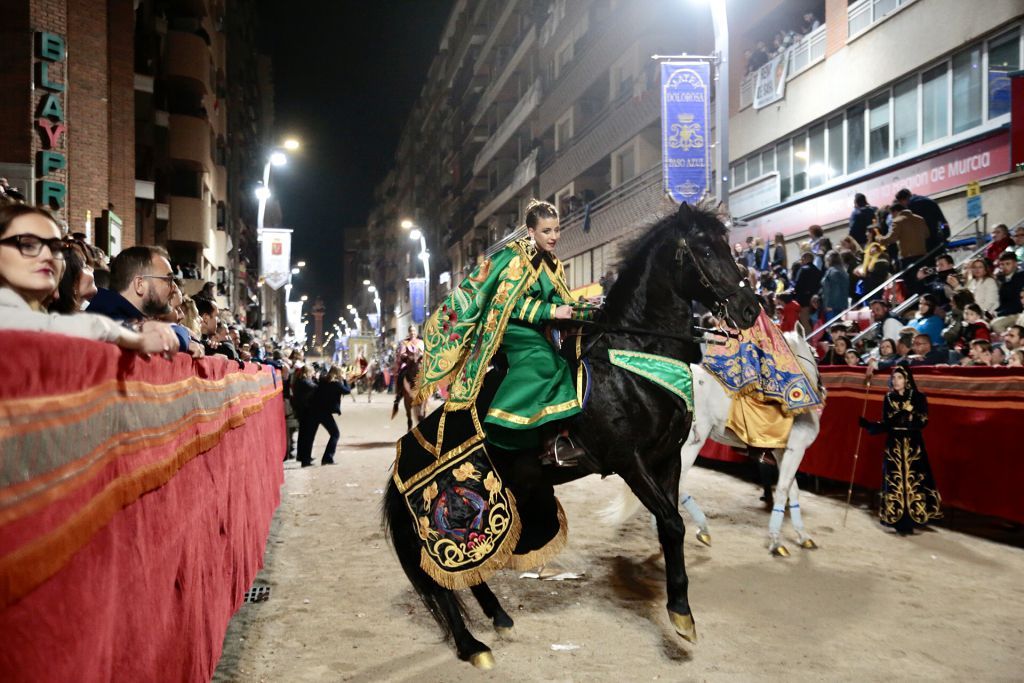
(704, 537)
(482, 660)
(505, 632)
(684, 626)
(809, 545)
(781, 551)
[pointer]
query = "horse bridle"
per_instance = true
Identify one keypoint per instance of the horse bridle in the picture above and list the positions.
(722, 301)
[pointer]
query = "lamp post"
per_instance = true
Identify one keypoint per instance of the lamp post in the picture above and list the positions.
(720, 26)
(277, 158)
(372, 289)
(416, 233)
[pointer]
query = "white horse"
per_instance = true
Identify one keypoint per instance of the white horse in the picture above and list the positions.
(711, 406)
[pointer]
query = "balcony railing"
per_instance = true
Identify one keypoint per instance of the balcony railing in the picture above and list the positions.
(509, 68)
(527, 104)
(863, 13)
(803, 55)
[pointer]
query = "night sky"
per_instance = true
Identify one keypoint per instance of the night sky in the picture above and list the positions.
(346, 75)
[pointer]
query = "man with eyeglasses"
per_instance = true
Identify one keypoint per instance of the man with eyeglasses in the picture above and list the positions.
(141, 286)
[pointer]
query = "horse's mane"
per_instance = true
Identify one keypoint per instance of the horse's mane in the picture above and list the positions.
(637, 255)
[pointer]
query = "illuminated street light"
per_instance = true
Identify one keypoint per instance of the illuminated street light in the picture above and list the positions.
(278, 159)
(303, 298)
(301, 264)
(366, 282)
(291, 144)
(407, 224)
(263, 193)
(295, 271)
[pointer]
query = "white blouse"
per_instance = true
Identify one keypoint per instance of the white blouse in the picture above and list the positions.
(15, 314)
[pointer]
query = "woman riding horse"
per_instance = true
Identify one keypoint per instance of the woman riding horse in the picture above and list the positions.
(503, 306)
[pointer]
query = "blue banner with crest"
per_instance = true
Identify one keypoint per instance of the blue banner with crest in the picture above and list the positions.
(418, 299)
(685, 134)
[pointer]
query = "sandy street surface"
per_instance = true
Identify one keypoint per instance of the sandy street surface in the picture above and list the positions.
(867, 606)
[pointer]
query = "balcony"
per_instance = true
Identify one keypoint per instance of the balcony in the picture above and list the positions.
(188, 60)
(522, 176)
(617, 214)
(863, 14)
(191, 220)
(506, 73)
(517, 117)
(495, 34)
(616, 126)
(801, 57)
(190, 141)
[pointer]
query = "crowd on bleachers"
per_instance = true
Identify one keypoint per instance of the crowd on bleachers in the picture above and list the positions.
(937, 312)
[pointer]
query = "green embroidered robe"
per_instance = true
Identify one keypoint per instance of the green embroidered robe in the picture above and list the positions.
(503, 303)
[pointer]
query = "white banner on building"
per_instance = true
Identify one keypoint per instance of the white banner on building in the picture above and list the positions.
(770, 85)
(276, 256)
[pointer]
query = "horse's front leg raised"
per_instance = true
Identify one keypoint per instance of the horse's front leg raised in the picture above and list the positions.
(661, 497)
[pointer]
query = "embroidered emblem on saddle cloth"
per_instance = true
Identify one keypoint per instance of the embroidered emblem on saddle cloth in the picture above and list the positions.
(668, 373)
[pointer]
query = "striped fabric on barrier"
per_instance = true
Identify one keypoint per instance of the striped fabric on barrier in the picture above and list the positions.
(975, 434)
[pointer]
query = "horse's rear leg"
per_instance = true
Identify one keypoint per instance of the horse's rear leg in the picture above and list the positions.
(789, 461)
(503, 623)
(442, 603)
(802, 537)
(662, 499)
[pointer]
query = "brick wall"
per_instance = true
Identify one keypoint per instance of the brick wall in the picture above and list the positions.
(121, 117)
(837, 22)
(87, 110)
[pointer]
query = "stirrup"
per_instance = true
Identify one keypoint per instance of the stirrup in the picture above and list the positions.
(572, 456)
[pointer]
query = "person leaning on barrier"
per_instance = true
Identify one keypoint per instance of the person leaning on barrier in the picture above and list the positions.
(209, 322)
(32, 261)
(141, 287)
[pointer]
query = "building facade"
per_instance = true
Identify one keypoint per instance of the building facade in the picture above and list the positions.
(144, 122)
(560, 100)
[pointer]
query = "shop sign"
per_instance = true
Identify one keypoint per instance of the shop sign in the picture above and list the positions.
(50, 51)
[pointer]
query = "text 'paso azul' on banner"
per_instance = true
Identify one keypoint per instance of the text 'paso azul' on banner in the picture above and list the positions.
(685, 91)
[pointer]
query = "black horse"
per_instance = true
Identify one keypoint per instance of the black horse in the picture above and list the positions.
(630, 427)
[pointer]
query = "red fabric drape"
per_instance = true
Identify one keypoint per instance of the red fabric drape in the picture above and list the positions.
(974, 438)
(148, 594)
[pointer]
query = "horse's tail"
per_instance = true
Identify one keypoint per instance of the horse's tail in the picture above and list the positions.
(442, 603)
(622, 505)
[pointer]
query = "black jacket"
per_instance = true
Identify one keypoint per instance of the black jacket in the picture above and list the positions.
(326, 397)
(807, 284)
(1009, 294)
(931, 213)
(860, 219)
(302, 395)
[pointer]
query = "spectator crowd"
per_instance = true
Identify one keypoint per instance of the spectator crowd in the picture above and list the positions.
(937, 312)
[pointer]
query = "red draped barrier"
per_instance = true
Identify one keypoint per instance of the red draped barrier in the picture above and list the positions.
(974, 438)
(135, 503)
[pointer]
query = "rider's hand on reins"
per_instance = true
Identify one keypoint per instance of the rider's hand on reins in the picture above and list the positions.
(563, 313)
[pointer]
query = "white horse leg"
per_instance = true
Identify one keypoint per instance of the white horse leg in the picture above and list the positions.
(690, 505)
(802, 537)
(788, 463)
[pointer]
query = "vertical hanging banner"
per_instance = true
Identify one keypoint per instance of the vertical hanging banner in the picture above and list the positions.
(276, 256)
(294, 310)
(685, 94)
(418, 299)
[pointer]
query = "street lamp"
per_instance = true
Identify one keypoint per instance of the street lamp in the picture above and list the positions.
(720, 26)
(372, 289)
(276, 158)
(415, 234)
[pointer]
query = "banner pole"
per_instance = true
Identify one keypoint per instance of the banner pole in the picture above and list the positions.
(856, 450)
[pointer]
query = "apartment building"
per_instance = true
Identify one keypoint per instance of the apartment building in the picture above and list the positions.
(884, 94)
(559, 100)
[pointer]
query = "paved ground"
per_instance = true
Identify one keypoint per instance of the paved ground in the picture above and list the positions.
(867, 605)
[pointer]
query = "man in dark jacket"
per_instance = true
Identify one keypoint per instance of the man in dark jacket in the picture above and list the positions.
(209, 321)
(1011, 283)
(141, 285)
(323, 405)
(861, 218)
(928, 210)
(807, 284)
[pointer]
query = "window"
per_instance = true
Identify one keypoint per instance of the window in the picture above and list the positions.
(624, 166)
(562, 199)
(767, 161)
(739, 174)
(835, 147)
(904, 116)
(782, 162)
(754, 167)
(563, 131)
(934, 100)
(816, 168)
(855, 138)
(878, 128)
(967, 89)
(799, 163)
(1003, 57)
(563, 57)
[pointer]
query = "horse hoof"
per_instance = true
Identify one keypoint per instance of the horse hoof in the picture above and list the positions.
(809, 545)
(482, 660)
(505, 632)
(684, 626)
(780, 551)
(704, 537)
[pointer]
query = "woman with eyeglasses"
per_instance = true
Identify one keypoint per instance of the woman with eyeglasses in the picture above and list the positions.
(32, 262)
